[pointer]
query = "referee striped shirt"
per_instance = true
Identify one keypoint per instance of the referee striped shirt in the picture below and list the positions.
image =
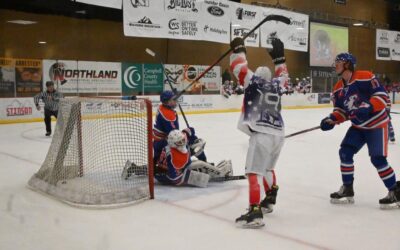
(50, 99)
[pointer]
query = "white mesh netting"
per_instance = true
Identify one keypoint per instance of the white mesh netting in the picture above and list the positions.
(93, 140)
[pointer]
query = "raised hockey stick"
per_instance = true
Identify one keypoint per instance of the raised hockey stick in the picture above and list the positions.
(303, 131)
(228, 178)
(153, 54)
(277, 18)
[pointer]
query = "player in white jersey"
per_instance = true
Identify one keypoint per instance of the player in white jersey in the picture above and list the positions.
(260, 119)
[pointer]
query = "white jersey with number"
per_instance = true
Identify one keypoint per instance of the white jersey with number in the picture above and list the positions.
(261, 110)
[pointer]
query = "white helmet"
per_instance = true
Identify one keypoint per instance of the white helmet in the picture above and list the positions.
(177, 139)
(263, 73)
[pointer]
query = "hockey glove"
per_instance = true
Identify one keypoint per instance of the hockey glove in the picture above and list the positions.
(327, 123)
(237, 45)
(363, 111)
(277, 52)
(189, 132)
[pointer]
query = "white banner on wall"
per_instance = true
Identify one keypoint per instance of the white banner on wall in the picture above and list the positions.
(116, 4)
(210, 20)
(244, 18)
(294, 36)
(383, 44)
(395, 52)
(216, 20)
(183, 75)
(83, 76)
(144, 18)
(184, 21)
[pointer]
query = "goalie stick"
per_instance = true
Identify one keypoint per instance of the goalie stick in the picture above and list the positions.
(153, 54)
(277, 18)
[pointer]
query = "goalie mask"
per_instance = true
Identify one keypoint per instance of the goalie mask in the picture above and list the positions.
(177, 139)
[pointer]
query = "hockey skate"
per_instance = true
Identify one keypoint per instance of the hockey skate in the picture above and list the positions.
(131, 168)
(270, 200)
(345, 195)
(252, 219)
(392, 200)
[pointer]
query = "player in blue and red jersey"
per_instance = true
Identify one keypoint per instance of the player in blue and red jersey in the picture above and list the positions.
(167, 120)
(359, 97)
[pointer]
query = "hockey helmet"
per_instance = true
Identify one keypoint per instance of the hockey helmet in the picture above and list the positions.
(166, 96)
(264, 73)
(346, 57)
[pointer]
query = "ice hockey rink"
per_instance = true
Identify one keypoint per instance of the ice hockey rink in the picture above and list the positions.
(195, 218)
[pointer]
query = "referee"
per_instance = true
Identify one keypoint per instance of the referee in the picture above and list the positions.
(51, 99)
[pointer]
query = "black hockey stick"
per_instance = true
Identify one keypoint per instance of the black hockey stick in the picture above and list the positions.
(303, 131)
(228, 178)
(397, 113)
(267, 18)
(153, 54)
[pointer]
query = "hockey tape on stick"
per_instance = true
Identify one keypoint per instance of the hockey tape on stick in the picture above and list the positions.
(277, 18)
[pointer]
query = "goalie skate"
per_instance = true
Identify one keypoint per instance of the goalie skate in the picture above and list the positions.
(130, 168)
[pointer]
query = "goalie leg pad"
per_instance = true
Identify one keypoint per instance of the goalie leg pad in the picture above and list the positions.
(198, 179)
(224, 168)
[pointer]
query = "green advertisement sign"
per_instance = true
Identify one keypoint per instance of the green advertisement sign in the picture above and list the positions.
(153, 78)
(142, 79)
(132, 78)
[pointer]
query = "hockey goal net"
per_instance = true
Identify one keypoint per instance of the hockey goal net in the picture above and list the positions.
(94, 139)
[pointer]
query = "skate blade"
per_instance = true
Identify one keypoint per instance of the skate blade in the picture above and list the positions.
(344, 200)
(267, 210)
(257, 223)
(390, 206)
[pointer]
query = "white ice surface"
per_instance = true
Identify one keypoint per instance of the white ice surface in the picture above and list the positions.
(194, 218)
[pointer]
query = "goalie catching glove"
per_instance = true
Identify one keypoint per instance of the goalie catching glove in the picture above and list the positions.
(197, 147)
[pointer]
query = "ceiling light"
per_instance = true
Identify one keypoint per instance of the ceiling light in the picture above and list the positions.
(42, 42)
(299, 28)
(358, 24)
(235, 25)
(23, 22)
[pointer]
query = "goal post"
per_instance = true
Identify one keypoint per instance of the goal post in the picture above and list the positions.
(93, 140)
